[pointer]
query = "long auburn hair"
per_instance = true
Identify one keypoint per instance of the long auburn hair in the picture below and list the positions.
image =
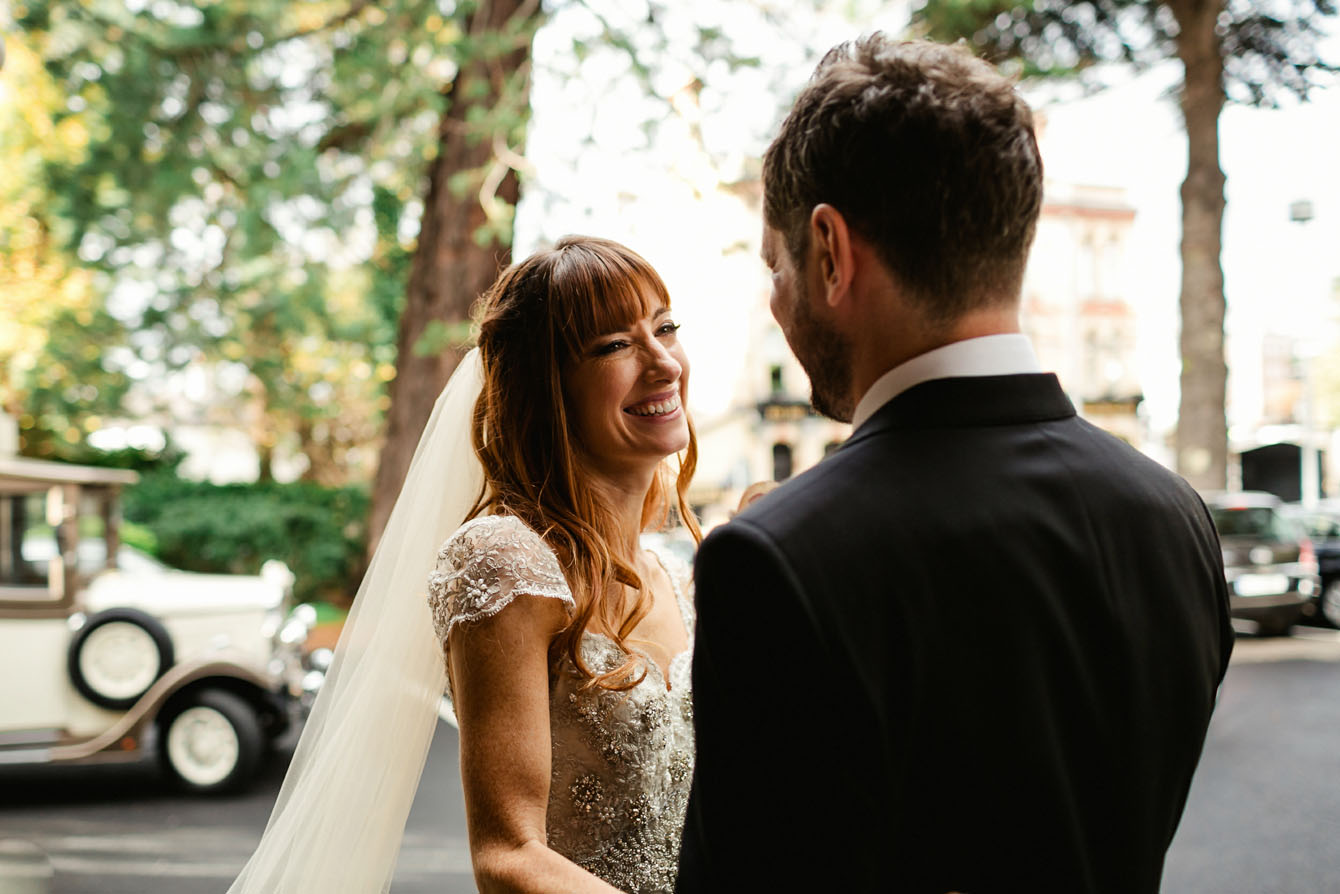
(535, 321)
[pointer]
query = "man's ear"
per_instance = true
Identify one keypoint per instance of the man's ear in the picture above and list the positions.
(831, 253)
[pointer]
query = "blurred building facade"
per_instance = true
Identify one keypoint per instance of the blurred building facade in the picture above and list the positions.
(770, 433)
(1075, 306)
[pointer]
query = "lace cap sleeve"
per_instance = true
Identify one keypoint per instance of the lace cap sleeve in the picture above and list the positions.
(486, 564)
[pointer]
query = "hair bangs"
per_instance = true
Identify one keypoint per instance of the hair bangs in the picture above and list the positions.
(601, 287)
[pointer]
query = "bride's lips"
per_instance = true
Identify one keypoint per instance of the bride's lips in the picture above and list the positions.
(662, 399)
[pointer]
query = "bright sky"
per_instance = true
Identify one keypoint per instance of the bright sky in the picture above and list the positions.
(662, 203)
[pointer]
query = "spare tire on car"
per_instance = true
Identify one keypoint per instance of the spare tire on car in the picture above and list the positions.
(117, 656)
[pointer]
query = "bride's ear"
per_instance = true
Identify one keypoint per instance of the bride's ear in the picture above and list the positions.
(831, 256)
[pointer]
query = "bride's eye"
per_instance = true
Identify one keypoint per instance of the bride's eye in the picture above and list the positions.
(668, 328)
(611, 346)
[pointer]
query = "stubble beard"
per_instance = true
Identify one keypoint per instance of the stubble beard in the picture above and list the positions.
(825, 355)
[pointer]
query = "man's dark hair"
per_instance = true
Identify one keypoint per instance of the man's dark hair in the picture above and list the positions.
(929, 155)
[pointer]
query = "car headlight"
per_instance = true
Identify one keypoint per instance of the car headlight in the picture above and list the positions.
(304, 613)
(297, 625)
(293, 632)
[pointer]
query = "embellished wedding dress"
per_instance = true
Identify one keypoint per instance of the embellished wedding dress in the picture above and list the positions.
(622, 761)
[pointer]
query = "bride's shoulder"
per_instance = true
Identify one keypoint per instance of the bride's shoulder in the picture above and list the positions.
(485, 565)
(491, 532)
(493, 557)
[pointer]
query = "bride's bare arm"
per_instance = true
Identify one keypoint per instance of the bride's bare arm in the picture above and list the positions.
(500, 674)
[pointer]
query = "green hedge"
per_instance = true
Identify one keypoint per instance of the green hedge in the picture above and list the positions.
(319, 532)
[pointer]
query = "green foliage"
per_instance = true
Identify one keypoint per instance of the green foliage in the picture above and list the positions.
(319, 532)
(139, 459)
(236, 186)
(244, 175)
(139, 536)
(1268, 52)
(72, 387)
(326, 613)
(439, 336)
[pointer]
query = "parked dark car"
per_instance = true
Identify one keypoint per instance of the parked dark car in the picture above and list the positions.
(1269, 561)
(1322, 524)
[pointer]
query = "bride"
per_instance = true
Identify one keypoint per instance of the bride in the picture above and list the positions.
(563, 644)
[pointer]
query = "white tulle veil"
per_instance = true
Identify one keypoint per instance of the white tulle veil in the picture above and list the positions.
(341, 812)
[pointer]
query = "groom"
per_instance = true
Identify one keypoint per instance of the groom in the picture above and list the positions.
(977, 648)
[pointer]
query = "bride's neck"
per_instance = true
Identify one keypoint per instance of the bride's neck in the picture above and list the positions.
(623, 496)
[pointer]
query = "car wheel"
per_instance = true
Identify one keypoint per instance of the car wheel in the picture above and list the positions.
(1330, 603)
(117, 655)
(210, 742)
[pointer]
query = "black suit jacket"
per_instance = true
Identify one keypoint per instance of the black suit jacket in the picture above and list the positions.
(976, 649)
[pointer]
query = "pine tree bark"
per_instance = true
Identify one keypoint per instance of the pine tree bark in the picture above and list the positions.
(449, 269)
(1202, 432)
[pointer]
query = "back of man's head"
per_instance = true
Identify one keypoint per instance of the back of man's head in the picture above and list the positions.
(929, 154)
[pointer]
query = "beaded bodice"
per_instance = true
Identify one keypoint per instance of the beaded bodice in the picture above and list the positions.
(621, 761)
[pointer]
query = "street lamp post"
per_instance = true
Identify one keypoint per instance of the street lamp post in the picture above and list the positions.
(1300, 212)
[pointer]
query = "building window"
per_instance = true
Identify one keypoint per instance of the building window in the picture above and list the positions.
(781, 461)
(775, 379)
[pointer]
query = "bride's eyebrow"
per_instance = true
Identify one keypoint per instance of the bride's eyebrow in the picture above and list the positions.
(656, 315)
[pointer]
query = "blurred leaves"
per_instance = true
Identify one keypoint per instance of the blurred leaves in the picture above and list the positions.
(239, 198)
(1269, 50)
(319, 532)
(44, 293)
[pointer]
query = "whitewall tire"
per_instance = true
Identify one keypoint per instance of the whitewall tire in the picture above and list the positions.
(210, 741)
(117, 655)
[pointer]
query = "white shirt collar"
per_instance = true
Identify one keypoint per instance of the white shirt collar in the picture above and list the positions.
(989, 355)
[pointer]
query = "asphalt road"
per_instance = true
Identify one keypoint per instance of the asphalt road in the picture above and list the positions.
(1264, 812)
(122, 830)
(1263, 816)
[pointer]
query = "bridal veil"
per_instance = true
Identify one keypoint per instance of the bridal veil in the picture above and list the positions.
(341, 812)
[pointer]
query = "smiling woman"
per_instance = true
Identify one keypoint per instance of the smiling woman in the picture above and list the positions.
(583, 401)
(573, 700)
(564, 645)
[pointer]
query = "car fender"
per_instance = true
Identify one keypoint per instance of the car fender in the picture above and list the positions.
(126, 734)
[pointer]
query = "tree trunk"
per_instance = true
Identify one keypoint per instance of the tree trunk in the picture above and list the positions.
(265, 461)
(1202, 433)
(449, 269)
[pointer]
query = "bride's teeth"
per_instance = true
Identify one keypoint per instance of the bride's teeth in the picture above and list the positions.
(657, 409)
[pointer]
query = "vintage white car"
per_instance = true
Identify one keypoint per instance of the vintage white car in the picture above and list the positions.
(104, 658)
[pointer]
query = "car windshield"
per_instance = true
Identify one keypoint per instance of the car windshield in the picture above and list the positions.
(93, 556)
(1259, 522)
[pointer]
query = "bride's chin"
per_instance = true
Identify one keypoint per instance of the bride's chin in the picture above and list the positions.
(683, 444)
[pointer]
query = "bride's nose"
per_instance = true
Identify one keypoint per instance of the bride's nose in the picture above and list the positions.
(662, 365)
